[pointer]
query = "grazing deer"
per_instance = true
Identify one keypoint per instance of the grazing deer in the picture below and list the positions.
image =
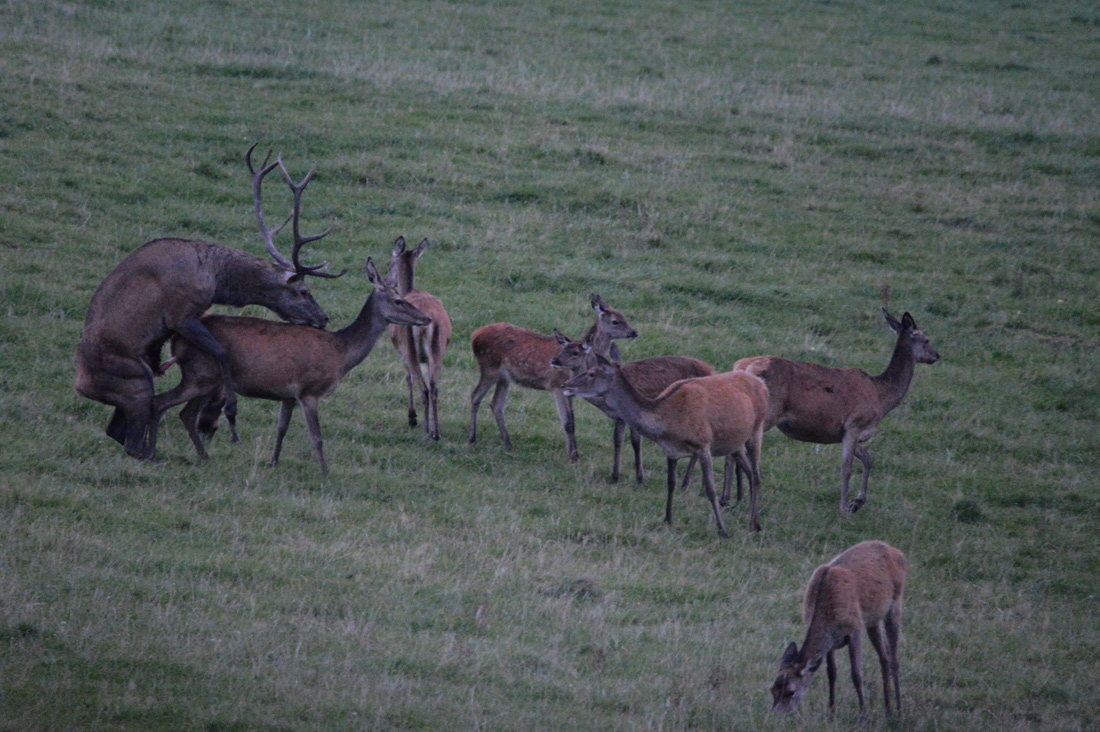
(858, 590)
(650, 376)
(160, 291)
(704, 418)
(818, 404)
(283, 362)
(417, 345)
(507, 354)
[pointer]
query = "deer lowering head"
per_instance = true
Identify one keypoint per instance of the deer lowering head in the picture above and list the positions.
(859, 590)
(161, 290)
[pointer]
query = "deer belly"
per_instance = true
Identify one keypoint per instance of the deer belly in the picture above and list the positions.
(819, 434)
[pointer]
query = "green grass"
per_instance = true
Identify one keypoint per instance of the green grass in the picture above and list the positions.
(738, 179)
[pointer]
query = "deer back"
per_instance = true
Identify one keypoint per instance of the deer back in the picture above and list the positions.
(523, 354)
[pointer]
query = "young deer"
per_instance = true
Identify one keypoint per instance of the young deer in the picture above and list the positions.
(704, 418)
(507, 354)
(650, 376)
(283, 362)
(858, 590)
(823, 405)
(418, 345)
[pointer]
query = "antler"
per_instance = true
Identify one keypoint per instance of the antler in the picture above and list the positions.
(257, 183)
(299, 240)
(269, 236)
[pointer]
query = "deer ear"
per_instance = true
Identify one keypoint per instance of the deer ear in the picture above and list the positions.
(597, 303)
(420, 248)
(907, 322)
(372, 273)
(287, 275)
(891, 321)
(561, 339)
(790, 655)
(399, 246)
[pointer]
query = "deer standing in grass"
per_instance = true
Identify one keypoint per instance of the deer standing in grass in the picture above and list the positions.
(704, 418)
(650, 376)
(823, 405)
(418, 345)
(859, 590)
(291, 364)
(161, 290)
(508, 354)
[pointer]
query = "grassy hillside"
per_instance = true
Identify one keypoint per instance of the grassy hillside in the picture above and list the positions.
(738, 179)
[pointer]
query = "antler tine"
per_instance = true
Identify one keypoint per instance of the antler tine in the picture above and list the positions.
(299, 240)
(257, 198)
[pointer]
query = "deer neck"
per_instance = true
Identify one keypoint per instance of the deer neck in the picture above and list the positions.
(358, 339)
(239, 279)
(636, 409)
(600, 340)
(405, 276)
(893, 383)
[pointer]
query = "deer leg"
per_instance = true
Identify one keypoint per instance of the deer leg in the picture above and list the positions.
(688, 473)
(313, 422)
(875, 634)
(484, 383)
(565, 414)
(743, 457)
(189, 415)
(617, 433)
(847, 452)
(865, 458)
(671, 489)
(727, 482)
(706, 464)
(434, 370)
(286, 408)
(500, 396)
(893, 630)
(636, 444)
(830, 669)
(855, 657)
(195, 333)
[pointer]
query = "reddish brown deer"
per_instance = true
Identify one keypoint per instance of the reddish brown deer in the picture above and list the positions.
(704, 418)
(650, 376)
(823, 405)
(416, 345)
(291, 364)
(858, 590)
(507, 354)
(161, 290)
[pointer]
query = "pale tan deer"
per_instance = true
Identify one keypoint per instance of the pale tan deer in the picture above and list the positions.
(859, 590)
(704, 418)
(420, 346)
(161, 290)
(507, 354)
(823, 405)
(291, 364)
(650, 376)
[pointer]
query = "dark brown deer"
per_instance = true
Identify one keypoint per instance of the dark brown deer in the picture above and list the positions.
(507, 354)
(291, 364)
(823, 405)
(650, 376)
(704, 418)
(416, 345)
(859, 590)
(161, 290)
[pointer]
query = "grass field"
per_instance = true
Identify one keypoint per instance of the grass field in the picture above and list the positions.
(738, 179)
